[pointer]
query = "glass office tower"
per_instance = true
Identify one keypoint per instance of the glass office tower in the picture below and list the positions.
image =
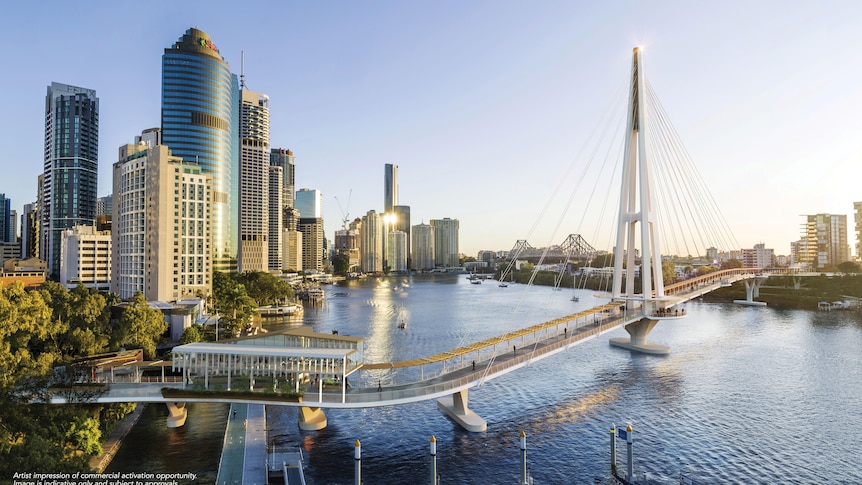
(200, 110)
(68, 183)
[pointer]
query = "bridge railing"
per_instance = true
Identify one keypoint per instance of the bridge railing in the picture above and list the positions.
(428, 368)
(467, 377)
(716, 277)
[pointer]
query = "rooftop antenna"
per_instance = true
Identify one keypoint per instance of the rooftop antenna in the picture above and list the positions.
(242, 70)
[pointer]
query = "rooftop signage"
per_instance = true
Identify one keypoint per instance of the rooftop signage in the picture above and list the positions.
(208, 43)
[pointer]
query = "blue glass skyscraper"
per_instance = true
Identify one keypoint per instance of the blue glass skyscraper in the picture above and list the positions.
(200, 99)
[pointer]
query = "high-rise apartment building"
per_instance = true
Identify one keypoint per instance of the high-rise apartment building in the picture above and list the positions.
(824, 240)
(291, 241)
(422, 257)
(396, 249)
(857, 217)
(29, 231)
(312, 243)
(200, 112)
(161, 225)
(282, 157)
(276, 219)
(309, 203)
(69, 180)
(758, 257)
(5, 214)
(104, 205)
(401, 222)
(86, 258)
(390, 187)
(254, 181)
(446, 242)
(371, 236)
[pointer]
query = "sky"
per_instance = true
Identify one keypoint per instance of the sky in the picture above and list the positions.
(483, 105)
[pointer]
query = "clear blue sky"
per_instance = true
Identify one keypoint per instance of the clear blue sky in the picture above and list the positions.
(481, 104)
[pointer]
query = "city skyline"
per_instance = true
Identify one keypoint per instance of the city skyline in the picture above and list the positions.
(487, 98)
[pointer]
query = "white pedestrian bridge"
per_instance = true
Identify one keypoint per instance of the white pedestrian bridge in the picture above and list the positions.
(312, 371)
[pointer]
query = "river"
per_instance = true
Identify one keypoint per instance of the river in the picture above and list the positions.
(747, 395)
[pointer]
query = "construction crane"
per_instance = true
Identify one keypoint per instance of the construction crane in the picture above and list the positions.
(345, 215)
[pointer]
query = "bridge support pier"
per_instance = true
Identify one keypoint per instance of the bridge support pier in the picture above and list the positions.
(456, 408)
(177, 414)
(752, 291)
(638, 332)
(311, 419)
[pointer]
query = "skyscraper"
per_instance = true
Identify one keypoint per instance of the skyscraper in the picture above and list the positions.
(254, 182)
(161, 231)
(29, 231)
(390, 187)
(200, 110)
(282, 157)
(371, 235)
(70, 176)
(5, 214)
(422, 257)
(309, 202)
(446, 241)
(276, 220)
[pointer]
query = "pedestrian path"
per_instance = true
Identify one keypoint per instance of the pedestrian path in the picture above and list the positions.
(243, 457)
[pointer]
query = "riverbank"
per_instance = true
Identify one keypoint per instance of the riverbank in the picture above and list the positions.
(801, 293)
(115, 439)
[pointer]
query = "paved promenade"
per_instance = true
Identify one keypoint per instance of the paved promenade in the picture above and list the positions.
(243, 457)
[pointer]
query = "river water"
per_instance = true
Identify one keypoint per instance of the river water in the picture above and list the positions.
(747, 395)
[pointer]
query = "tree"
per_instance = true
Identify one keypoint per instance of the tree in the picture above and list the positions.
(39, 436)
(192, 334)
(732, 264)
(140, 326)
(340, 264)
(235, 307)
(81, 319)
(602, 261)
(668, 272)
(849, 267)
(702, 270)
(264, 288)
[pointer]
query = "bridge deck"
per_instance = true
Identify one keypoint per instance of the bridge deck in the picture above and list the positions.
(548, 339)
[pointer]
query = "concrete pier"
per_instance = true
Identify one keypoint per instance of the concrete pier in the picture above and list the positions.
(752, 291)
(456, 408)
(311, 419)
(638, 331)
(177, 414)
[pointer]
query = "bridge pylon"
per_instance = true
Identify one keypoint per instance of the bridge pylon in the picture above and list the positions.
(638, 222)
(752, 291)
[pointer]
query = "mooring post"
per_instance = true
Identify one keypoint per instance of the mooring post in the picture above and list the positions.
(433, 460)
(357, 464)
(523, 480)
(613, 448)
(629, 446)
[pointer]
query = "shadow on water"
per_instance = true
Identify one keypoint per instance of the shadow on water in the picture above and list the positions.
(151, 447)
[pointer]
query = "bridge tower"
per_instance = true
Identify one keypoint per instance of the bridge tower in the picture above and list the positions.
(638, 216)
